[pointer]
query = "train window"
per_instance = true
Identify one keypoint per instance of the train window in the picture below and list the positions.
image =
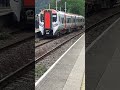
(62, 20)
(70, 20)
(67, 20)
(54, 17)
(73, 20)
(80, 20)
(42, 17)
(83, 20)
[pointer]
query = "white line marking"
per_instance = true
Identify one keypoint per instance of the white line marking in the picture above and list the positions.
(43, 76)
(101, 35)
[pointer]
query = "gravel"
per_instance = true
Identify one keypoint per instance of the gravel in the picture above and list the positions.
(16, 57)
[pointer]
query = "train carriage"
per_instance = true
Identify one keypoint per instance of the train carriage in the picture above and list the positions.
(54, 23)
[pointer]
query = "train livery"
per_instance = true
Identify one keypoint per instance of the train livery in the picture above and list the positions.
(55, 23)
(23, 9)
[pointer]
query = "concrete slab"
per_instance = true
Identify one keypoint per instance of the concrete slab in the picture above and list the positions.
(63, 73)
(75, 78)
(110, 79)
(98, 58)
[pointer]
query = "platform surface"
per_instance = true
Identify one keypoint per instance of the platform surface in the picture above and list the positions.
(103, 60)
(68, 73)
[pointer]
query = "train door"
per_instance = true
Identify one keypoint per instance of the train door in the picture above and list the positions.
(75, 22)
(65, 22)
(48, 22)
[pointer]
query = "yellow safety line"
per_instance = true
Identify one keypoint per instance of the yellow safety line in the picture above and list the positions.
(83, 84)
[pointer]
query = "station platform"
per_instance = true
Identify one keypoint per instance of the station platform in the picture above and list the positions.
(103, 60)
(67, 73)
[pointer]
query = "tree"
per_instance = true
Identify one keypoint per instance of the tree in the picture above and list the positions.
(73, 6)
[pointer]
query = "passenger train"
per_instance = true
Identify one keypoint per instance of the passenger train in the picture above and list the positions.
(55, 23)
(23, 9)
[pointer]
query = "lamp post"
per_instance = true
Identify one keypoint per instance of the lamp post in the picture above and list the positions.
(56, 4)
(49, 6)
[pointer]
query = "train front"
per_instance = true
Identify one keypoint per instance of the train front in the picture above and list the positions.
(28, 10)
(48, 22)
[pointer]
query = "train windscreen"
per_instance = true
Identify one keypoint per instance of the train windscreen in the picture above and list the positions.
(54, 17)
(42, 18)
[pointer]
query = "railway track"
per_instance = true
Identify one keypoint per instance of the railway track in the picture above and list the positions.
(101, 22)
(42, 42)
(56, 47)
(6, 47)
(21, 77)
(45, 41)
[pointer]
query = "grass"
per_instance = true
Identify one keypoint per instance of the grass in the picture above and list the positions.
(40, 70)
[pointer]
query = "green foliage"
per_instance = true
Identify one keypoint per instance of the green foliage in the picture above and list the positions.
(41, 4)
(73, 6)
(40, 70)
